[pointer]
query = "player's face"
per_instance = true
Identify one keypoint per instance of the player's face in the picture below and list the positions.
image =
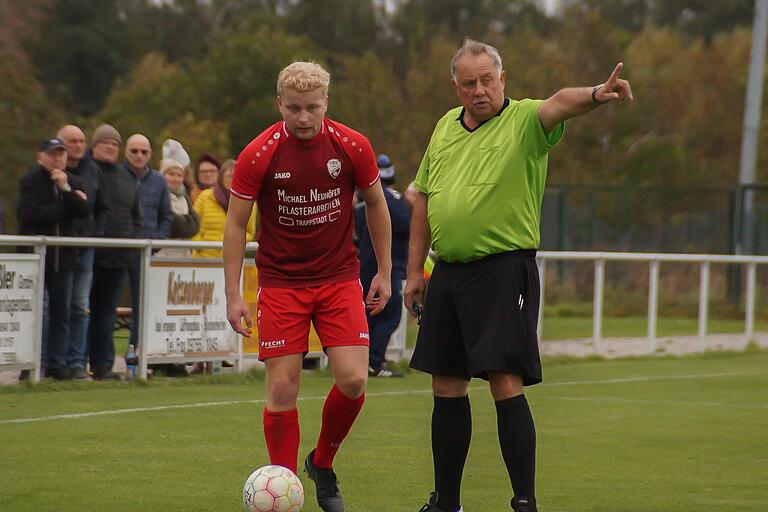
(479, 86)
(303, 111)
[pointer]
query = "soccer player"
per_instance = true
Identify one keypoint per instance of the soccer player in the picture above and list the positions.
(302, 172)
(480, 185)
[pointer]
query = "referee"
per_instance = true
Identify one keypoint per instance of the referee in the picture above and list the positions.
(480, 186)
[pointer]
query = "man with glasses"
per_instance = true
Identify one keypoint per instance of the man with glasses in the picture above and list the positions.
(156, 207)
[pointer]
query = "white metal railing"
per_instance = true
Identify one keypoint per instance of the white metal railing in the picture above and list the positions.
(654, 260)
(654, 264)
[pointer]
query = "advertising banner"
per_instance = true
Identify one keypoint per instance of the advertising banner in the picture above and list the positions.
(18, 309)
(187, 315)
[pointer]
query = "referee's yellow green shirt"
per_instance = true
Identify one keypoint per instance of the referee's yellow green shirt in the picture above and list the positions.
(485, 186)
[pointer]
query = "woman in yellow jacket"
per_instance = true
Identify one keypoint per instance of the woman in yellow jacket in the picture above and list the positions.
(211, 206)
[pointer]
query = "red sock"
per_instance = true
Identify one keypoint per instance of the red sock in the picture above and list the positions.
(339, 413)
(281, 431)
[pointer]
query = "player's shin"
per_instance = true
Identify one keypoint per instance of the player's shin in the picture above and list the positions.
(281, 431)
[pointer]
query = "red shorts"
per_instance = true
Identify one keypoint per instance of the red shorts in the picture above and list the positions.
(283, 318)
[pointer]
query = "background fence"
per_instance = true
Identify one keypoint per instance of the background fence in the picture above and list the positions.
(703, 220)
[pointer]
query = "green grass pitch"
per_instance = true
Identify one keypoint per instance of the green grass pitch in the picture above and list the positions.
(662, 434)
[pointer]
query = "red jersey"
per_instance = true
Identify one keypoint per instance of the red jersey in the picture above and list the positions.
(303, 190)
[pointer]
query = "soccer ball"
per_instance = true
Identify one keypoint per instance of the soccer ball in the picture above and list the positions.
(273, 489)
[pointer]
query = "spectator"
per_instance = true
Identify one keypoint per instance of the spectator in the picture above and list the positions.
(156, 208)
(185, 223)
(206, 175)
(211, 206)
(381, 326)
(124, 220)
(82, 165)
(173, 150)
(50, 199)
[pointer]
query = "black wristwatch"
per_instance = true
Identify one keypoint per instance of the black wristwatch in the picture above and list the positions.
(594, 91)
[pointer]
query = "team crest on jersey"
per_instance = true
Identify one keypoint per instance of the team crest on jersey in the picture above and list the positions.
(334, 167)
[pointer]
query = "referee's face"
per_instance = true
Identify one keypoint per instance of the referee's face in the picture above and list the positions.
(303, 111)
(479, 86)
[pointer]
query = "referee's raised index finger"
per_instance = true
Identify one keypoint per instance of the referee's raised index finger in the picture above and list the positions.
(616, 71)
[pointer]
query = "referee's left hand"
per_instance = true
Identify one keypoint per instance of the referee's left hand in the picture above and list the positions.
(379, 294)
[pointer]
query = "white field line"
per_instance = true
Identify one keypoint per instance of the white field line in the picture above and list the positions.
(109, 412)
(641, 401)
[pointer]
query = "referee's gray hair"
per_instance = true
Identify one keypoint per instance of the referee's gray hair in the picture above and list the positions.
(476, 48)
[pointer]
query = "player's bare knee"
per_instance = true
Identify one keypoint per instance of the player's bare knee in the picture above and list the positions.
(283, 393)
(353, 386)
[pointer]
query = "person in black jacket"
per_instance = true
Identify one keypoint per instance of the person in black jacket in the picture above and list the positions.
(123, 220)
(381, 326)
(50, 199)
(82, 165)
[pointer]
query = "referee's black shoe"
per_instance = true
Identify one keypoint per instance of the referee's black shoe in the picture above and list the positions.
(523, 505)
(431, 506)
(326, 485)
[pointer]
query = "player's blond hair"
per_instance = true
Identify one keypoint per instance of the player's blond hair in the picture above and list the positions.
(303, 76)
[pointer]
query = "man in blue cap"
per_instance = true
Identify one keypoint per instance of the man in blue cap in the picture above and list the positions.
(382, 326)
(50, 199)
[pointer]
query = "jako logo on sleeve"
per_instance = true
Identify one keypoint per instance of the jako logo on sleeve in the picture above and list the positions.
(364, 336)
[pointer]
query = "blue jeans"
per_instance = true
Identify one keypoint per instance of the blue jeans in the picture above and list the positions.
(78, 317)
(134, 275)
(60, 297)
(105, 294)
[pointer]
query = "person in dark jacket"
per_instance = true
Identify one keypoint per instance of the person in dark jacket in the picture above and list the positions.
(50, 199)
(156, 207)
(381, 326)
(80, 164)
(124, 220)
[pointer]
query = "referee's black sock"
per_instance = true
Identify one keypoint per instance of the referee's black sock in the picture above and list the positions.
(451, 434)
(517, 437)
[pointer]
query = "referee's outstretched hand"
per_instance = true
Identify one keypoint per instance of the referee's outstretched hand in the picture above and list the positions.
(237, 311)
(379, 294)
(615, 88)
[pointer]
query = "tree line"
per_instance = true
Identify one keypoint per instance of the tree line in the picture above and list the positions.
(204, 73)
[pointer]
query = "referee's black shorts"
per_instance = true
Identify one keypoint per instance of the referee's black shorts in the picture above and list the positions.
(481, 317)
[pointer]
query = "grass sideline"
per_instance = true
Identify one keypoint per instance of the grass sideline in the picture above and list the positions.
(643, 434)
